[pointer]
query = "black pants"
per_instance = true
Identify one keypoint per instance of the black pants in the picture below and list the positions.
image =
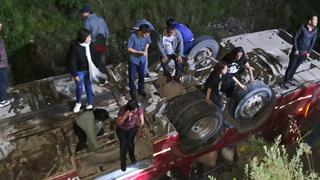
(82, 137)
(294, 63)
(126, 138)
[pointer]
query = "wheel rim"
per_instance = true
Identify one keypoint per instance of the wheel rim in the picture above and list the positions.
(202, 128)
(253, 106)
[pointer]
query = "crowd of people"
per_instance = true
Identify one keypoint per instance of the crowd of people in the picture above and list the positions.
(87, 61)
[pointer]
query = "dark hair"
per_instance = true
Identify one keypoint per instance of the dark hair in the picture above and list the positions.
(171, 22)
(230, 57)
(217, 69)
(101, 114)
(312, 15)
(132, 104)
(82, 35)
(144, 28)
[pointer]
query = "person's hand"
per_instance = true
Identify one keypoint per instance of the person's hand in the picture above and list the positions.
(296, 52)
(164, 59)
(307, 54)
(179, 59)
(209, 101)
(242, 86)
(144, 53)
(77, 78)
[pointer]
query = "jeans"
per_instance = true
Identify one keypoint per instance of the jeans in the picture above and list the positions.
(82, 137)
(126, 138)
(84, 77)
(133, 70)
(3, 84)
(294, 63)
(166, 68)
(187, 47)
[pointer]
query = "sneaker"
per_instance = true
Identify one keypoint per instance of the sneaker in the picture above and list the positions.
(6, 102)
(89, 107)
(177, 79)
(77, 107)
(168, 79)
(142, 93)
(133, 95)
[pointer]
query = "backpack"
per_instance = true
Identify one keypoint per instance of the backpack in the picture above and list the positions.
(186, 33)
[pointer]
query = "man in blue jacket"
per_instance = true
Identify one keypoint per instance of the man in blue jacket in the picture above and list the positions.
(303, 42)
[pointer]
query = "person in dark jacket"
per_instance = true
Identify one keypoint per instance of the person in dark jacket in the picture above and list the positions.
(4, 98)
(127, 128)
(212, 86)
(99, 34)
(237, 62)
(82, 68)
(303, 42)
(87, 126)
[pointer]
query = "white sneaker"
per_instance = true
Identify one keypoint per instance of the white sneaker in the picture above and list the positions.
(77, 107)
(89, 107)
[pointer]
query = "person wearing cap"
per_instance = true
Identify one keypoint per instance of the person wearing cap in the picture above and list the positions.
(127, 129)
(88, 126)
(138, 44)
(4, 98)
(99, 33)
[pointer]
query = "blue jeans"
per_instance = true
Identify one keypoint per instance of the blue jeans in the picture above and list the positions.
(84, 78)
(166, 68)
(187, 47)
(3, 84)
(133, 70)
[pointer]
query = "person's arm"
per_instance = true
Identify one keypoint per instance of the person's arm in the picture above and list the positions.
(313, 41)
(145, 51)
(209, 92)
(73, 63)
(107, 32)
(141, 118)
(295, 39)
(242, 86)
(180, 43)
(88, 26)
(122, 117)
(250, 69)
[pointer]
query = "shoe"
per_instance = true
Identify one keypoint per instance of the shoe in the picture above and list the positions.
(177, 79)
(123, 166)
(133, 95)
(77, 107)
(6, 102)
(133, 160)
(89, 107)
(168, 79)
(142, 93)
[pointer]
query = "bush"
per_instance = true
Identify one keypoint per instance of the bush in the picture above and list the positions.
(276, 164)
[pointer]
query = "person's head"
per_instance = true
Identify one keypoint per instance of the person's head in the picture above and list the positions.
(101, 114)
(132, 105)
(170, 31)
(144, 30)
(237, 53)
(83, 36)
(220, 68)
(85, 11)
(313, 20)
(171, 23)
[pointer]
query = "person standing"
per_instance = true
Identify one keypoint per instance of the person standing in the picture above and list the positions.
(127, 128)
(303, 42)
(83, 69)
(87, 126)
(4, 98)
(171, 48)
(99, 33)
(138, 45)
